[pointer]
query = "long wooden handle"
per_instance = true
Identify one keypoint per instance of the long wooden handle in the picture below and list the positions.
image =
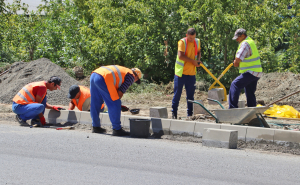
(282, 98)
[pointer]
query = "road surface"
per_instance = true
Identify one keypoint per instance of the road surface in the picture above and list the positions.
(48, 156)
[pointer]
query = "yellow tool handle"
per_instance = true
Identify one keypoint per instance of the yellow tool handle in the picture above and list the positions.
(222, 74)
(217, 81)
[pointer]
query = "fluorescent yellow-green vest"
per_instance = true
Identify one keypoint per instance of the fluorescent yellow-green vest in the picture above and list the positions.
(180, 63)
(251, 63)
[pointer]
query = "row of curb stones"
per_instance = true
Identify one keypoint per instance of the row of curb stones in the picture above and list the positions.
(161, 126)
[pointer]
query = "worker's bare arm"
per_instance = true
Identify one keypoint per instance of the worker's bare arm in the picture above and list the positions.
(199, 57)
(38, 99)
(120, 94)
(71, 105)
(236, 62)
(182, 56)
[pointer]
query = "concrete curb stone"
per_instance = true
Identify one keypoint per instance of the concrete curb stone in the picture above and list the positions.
(242, 130)
(160, 126)
(220, 138)
(259, 134)
(185, 128)
(286, 136)
(200, 126)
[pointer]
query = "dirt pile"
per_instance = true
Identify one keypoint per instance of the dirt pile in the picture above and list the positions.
(22, 73)
(273, 86)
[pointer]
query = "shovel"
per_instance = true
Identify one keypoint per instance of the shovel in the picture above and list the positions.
(133, 111)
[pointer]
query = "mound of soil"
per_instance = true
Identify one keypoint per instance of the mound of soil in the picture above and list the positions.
(273, 86)
(22, 73)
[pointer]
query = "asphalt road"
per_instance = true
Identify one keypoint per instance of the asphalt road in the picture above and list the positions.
(47, 156)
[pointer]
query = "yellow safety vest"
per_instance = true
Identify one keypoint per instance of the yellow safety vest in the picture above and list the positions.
(180, 63)
(251, 63)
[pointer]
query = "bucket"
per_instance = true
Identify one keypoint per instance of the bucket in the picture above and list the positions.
(139, 128)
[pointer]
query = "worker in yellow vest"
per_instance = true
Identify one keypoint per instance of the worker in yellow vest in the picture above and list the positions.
(188, 58)
(81, 98)
(30, 102)
(248, 60)
(109, 83)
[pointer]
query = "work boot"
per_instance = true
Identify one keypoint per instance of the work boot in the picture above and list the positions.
(35, 122)
(20, 120)
(174, 116)
(99, 130)
(120, 132)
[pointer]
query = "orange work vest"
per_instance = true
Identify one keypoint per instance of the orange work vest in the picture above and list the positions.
(114, 77)
(25, 95)
(84, 94)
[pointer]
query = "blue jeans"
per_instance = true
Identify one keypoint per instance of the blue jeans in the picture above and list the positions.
(249, 83)
(29, 111)
(189, 83)
(99, 92)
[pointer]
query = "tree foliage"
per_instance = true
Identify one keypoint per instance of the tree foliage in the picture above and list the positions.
(144, 33)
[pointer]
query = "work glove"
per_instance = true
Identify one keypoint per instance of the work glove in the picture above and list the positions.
(42, 120)
(57, 108)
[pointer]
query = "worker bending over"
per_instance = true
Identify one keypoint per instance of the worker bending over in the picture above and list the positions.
(248, 60)
(31, 101)
(109, 83)
(81, 98)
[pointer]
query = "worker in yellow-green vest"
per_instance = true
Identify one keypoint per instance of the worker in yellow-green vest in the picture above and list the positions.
(188, 58)
(248, 60)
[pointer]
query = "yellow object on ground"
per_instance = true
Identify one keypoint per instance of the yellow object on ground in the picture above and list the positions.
(282, 111)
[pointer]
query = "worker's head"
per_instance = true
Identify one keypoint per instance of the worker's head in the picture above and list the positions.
(74, 92)
(137, 75)
(240, 35)
(54, 83)
(191, 34)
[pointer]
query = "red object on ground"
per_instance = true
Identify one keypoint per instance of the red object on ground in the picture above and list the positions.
(42, 120)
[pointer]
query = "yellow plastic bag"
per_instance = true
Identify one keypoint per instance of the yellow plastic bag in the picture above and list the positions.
(282, 111)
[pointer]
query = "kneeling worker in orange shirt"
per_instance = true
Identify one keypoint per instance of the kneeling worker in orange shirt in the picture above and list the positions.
(81, 98)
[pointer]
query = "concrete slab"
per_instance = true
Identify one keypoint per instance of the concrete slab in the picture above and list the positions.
(216, 94)
(53, 116)
(258, 134)
(197, 108)
(242, 130)
(127, 122)
(200, 126)
(185, 128)
(286, 136)
(220, 138)
(159, 112)
(160, 126)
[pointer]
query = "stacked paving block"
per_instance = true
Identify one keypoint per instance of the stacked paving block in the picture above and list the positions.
(197, 109)
(216, 94)
(158, 112)
(220, 138)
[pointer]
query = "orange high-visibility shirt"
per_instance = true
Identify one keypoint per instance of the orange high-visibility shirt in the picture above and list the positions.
(189, 68)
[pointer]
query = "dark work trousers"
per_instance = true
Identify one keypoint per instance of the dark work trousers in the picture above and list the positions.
(189, 82)
(247, 81)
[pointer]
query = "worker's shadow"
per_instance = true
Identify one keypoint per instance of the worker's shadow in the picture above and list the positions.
(62, 118)
(157, 128)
